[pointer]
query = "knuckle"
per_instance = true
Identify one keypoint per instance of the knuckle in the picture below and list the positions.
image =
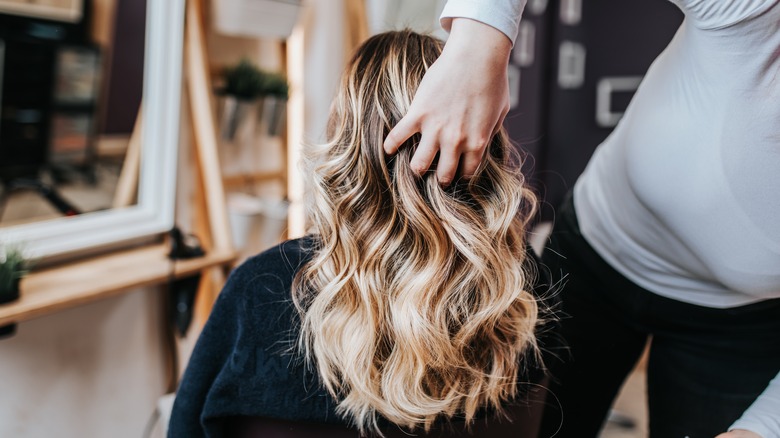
(478, 144)
(453, 139)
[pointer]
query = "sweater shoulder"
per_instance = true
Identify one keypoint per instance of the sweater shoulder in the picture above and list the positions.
(268, 276)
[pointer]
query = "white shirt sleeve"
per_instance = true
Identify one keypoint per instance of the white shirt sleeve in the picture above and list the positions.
(763, 416)
(717, 14)
(504, 15)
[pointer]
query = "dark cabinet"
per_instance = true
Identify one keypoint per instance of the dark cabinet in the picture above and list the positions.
(577, 64)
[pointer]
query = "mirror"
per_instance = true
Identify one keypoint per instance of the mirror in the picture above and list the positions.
(78, 169)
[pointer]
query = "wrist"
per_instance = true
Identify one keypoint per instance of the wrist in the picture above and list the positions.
(476, 39)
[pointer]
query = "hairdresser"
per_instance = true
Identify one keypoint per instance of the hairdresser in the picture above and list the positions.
(671, 233)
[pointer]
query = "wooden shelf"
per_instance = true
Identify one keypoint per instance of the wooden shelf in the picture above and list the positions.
(82, 282)
(249, 178)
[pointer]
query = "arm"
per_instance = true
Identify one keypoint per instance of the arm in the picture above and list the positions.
(464, 96)
(762, 419)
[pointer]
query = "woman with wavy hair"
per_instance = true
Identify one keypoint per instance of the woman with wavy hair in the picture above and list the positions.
(410, 308)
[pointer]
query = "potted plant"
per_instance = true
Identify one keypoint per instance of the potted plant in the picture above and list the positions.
(243, 85)
(275, 91)
(13, 266)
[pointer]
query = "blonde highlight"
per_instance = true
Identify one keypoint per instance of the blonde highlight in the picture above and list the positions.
(415, 304)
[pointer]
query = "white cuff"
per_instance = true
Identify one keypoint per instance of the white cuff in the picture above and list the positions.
(504, 15)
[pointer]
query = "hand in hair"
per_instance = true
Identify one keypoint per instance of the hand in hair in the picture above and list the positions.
(461, 102)
(739, 433)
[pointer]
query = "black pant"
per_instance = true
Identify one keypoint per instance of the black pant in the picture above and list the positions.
(706, 365)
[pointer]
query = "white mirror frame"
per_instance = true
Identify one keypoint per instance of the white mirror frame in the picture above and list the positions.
(153, 213)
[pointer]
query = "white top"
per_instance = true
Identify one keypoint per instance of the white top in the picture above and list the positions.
(683, 198)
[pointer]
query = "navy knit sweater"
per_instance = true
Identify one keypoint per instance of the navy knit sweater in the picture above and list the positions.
(244, 363)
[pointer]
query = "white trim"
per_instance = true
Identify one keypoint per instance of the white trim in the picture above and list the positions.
(571, 65)
(571, 12)
(605, 116)
(524, 53)
(153, 213)
(537, 7)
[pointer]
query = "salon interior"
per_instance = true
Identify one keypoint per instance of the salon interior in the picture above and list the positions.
(149, 147)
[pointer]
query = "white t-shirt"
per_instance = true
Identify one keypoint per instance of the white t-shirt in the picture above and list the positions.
(683, 198)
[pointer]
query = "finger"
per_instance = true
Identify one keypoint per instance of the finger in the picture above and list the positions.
(470, 162)
(447, 166)
(424, 155)
(405, 128)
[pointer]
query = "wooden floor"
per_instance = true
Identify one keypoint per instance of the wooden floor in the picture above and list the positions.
(630, 407)
(26, 206)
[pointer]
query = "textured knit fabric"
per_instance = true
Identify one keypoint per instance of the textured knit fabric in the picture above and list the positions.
(241, 364)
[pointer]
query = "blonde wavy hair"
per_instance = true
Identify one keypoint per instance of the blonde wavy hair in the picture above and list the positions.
(416, 303)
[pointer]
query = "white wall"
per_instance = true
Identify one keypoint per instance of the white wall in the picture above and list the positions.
(92, 371)
(418, 15)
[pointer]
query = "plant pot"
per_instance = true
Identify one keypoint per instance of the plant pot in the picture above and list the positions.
(9, 296)
(256, 223)
(245, 214)
(275, 222)
(272, 114)
(235, 116)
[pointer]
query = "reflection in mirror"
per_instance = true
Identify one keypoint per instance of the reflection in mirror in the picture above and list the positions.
(71, 81)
